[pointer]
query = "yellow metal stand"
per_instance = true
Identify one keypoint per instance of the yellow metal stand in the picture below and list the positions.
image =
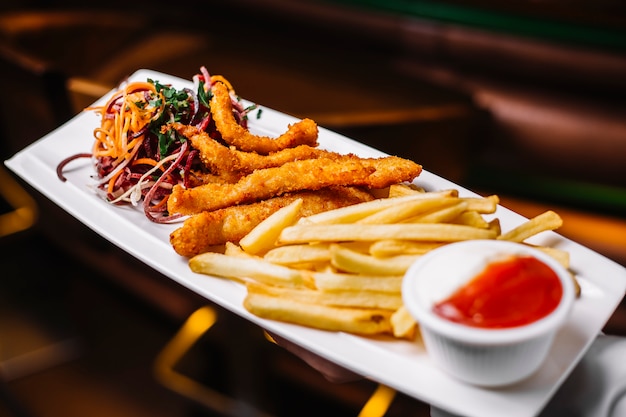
(196, 325)
(24, 212)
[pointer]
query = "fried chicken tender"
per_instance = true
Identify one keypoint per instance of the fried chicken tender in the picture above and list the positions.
(309, 174)
(303, 132)
(198, 178)
(203, 231)
(223, 160)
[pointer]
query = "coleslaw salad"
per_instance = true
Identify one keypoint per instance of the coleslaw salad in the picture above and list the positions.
(136, 159)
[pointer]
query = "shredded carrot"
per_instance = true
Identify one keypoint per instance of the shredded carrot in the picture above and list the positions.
(220, 78)
(147, 161)
(113, 134)
(111, 185)
(139, 85)
(160, 203)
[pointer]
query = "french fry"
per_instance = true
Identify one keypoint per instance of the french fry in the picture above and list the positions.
(471, 218)
(334, 281)
(484, 205)
(397, 190)
(392, 247)
(297, 254)
(428, 232)
(339, 298)
(494, 226)
(308, 253)
(353, 213)
(352, 320)
(577, 288)
(561, 256)
(548, 220)
(240, 268)
(348, 260)
(263, 236)
(443, 215)
(233, 249)
(403, 325)
(406, 210)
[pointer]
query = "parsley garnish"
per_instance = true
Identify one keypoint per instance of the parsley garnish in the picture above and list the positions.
(176, 109)
(203, 96)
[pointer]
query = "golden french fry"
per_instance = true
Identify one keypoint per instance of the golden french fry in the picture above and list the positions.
(233, 249)
(393, 247)
(548, 220)
(314, 253)
(340, 298)
(403, 325)
(428, 232)
(443, 215)
(297, 254)
(397, 190)
(240, 268)
(355, 212)
(358, 246)
(406, 210)
(561, 256)
(483, 205)
(494, 226)
(577, 288)
(352, 320)
(334, 281)
(471, 218)
(263, 236)
(348, 260)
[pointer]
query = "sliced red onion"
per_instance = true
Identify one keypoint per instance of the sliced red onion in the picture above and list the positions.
(66, 161)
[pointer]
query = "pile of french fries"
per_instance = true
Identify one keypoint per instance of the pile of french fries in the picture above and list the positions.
(342, 270)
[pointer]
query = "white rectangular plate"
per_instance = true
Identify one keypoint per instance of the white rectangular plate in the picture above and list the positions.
(402, 365)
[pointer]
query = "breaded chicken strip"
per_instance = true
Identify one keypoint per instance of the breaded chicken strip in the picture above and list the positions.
(309, 174)
(303, 132)
(222, 159)
(202, 231)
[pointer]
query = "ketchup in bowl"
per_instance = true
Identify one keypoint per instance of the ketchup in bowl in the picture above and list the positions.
(488, 310)
(514, 291)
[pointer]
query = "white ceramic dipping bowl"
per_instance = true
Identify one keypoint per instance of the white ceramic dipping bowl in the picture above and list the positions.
(480, 356)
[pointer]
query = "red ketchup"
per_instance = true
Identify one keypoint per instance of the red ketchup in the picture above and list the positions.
(512, 292)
